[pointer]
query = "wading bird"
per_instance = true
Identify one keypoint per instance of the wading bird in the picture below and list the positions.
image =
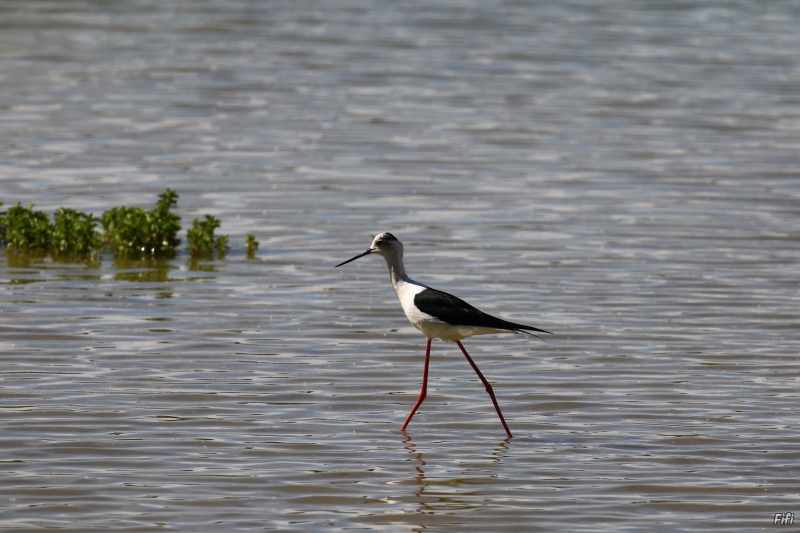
(438, 314)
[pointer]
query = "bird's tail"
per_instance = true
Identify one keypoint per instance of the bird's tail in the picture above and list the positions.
(520, 328)
(529, 333)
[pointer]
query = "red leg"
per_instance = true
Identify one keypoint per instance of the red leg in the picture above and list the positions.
(424, 391)
(488, 387)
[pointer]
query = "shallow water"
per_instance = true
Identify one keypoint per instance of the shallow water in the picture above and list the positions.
(625, 176)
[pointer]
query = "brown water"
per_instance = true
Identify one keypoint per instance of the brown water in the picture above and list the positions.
(625, 175)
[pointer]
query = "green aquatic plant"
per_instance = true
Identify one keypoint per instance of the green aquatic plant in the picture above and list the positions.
(134, 230)
(131, 233)
(75, 234)
(30, 235)
(24, 230)
(201, 239)
(251, 245)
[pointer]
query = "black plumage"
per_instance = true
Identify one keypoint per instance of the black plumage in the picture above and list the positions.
(456, 312)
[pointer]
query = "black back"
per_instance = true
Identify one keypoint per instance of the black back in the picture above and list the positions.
(457, 312)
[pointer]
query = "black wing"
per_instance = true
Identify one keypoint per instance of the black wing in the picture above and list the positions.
(457, 312)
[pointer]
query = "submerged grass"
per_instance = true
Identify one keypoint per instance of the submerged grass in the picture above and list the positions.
(129, 232)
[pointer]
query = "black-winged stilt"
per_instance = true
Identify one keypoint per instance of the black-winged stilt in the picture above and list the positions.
(438, 314)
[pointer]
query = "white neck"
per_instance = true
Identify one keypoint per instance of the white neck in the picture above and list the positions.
(396, 269)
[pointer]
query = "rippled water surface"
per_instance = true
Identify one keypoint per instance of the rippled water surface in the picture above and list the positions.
(624, 174)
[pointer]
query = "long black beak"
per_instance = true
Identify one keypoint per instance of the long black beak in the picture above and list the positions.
(354, 258)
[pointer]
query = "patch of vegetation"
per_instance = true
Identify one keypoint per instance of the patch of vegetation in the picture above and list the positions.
(24, 230)
(72, 235)
(75, 234)
(251, 245)
(202, 242)
(131, 233)
(134, 231)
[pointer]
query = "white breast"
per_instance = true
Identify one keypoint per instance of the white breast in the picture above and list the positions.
(429, 325)
(406, 291)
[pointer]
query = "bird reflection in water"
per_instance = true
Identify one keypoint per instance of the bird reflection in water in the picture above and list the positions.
(499, 453)
(422, 483)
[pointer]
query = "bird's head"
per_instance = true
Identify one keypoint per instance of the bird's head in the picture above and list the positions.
(385, 245)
